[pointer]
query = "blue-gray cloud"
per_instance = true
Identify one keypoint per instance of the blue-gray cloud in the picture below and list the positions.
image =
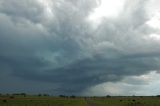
(59, 46)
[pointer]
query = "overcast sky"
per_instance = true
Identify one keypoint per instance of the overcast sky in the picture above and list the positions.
(80, 47)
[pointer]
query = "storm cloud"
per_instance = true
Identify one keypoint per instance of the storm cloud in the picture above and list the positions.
(54, 43)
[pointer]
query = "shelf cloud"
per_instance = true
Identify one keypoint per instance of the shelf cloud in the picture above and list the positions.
(70, 47)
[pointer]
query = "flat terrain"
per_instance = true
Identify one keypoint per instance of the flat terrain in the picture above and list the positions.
(78, 101)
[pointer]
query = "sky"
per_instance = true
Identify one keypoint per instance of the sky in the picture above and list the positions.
(80, 47)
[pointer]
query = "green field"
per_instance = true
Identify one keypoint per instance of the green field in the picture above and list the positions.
(78, 101)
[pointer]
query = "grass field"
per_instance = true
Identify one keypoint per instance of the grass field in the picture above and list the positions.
(78, 101)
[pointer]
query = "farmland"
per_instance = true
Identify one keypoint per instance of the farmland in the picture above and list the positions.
(79, 101)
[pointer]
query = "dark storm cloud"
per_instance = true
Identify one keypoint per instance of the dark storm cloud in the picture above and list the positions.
(60, 47)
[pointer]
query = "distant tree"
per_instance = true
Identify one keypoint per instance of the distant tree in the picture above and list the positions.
(63, 96)
(120, 100)
(141, 96)
(45, 94)
(14, 94)
(19, 94)
(39, 94)
(133, 100)
(4, 100)
(108, 96)
(158, 95)
(11, 97)
(73, 96)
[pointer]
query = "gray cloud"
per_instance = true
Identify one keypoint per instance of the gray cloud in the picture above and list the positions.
(58, 46)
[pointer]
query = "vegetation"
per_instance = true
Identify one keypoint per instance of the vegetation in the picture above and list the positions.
(46, 100)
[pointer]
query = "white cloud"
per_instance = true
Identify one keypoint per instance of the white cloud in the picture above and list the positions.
(48, 8)
(107, 8)
(147, 84)
(154, 22)
(153, 38)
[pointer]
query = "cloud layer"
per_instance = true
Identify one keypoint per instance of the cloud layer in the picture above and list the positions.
(54, 43)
